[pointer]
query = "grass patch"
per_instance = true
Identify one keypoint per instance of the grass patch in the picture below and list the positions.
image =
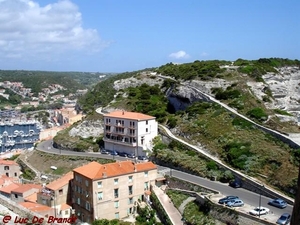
(282, 112)
(177, 197)
(196, 215)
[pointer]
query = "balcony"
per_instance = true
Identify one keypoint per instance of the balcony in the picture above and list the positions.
(119, 125)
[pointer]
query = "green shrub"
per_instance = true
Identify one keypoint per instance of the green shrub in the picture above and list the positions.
(257, 113)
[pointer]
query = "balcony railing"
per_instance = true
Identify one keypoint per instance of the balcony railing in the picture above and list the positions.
(133, 144)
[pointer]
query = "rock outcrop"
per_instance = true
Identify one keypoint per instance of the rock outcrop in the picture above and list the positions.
(87, 128)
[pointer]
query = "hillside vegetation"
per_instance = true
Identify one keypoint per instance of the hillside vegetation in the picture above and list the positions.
(231, 138)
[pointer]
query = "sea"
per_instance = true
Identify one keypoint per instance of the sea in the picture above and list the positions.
(20, 135)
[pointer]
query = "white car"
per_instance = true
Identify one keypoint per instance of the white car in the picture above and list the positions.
(259, 211)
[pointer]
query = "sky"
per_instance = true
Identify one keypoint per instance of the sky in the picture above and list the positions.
(120, 36)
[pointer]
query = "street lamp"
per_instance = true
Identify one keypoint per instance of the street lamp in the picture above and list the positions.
(260, 200)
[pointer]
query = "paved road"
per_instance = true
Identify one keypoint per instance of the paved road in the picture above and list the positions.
(248, 197)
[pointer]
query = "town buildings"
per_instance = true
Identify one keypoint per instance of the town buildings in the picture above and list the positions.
(57, 195)
(10, 168)
(111, 191)
(129, 132)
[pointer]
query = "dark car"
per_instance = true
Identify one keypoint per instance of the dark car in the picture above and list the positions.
(113, 153)
(131, 155)
(227, 199)
(284, 219)
(124, 154)
(235, 184)
(279, 203)
(144, 158)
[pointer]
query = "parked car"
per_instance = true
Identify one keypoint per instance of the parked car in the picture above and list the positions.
(227, 198)
(235, 184)
(235, 203)
(113, 153)
(103, 151)
(284, 219)
(258, 211)
(131, 155)
(279, 203)
(122, 154)
(144, 158)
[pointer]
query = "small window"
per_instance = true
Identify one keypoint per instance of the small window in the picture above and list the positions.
(116, 181)
(100, 195)
(6, 167)
(130, 190)
(86, 183)
(67, 212)
(16, 174)
(78, 201)
(146, 122)
(146, 174)
(16, 196)
(146, 186)
(7, 174)
(60, 192)
(116, 193)
(87, 206)
(99, 184)
(130, 178)
(117, 216)
(130, 201)
(146, 130)
(116, 204)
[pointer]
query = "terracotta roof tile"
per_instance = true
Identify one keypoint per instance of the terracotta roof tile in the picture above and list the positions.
(35, 207)
(96, 170)
(26, 187)
(65, 206)
(31, 198)
(8, 162)
(129, 115)
(7, 189)
(59, 183)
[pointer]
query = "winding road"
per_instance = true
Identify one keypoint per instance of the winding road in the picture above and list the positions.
(250, 198)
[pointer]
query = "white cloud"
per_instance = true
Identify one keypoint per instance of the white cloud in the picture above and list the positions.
(179, 55)
(27, 29)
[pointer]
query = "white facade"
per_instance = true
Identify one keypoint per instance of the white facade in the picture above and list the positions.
(129, 132)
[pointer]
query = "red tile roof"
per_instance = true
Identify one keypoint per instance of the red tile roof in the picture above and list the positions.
(59, 183)
(35, 207)
(7, 189)
(129, 115)
(26, 187)
(8, 162)
(31, 198)
(96, 170)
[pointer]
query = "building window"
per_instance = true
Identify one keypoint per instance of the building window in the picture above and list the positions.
(107, 120)
(7, 174)
(130, 190)
(146, 122)
(130, 201)
(44, 202)
(116, 181)
(100, 195)
(99, 184)
(116, 204)
(16, 174)
(6, 167)
(130, 178)
(117, 216)
(146, 174)
(86, 183)
(78, 201)
(67, 212)
(60, 192)
(146, 130)
(116, 193)
(87, 206)
(16, 195)
(146, 186)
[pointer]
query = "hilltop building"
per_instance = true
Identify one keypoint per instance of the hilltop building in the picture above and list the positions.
(129, 132)
(111, 191)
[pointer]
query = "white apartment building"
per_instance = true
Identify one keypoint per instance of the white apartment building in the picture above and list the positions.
(129, 132)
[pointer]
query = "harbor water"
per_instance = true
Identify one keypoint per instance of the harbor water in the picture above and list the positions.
(20, 135)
